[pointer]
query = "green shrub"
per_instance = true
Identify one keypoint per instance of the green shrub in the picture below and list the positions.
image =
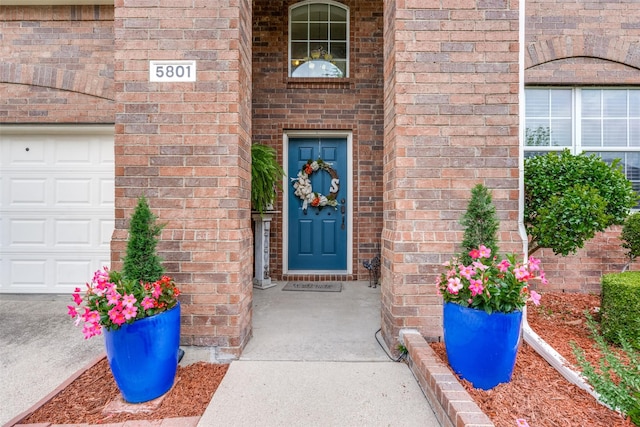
(630, 237)
(570, 198)
(617, 382)
(141, 262)
(620, 307)
(480, 222)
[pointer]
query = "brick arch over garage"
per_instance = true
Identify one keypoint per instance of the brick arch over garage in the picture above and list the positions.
(570, 46)
(57, 78)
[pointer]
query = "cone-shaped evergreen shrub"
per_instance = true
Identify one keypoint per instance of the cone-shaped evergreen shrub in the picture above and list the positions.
(480, 223)
(141, 261)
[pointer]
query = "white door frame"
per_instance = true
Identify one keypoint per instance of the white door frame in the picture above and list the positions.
(348, 135)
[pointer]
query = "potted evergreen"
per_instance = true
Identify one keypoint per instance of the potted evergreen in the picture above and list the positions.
(138, 313)
(484, 296)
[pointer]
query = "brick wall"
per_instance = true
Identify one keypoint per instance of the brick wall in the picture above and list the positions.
(582, 43)
(57, 64)
(186, 146)
(353, 104)
(451, 107)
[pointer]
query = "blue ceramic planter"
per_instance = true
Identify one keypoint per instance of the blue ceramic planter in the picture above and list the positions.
(481, 347)
(143, 356)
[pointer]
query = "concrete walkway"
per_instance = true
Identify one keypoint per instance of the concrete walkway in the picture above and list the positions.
(313, 361)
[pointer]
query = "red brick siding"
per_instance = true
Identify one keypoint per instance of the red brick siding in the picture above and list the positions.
(451, 109)
(353, 104)
(186, 146)
(57, 64)
(582, 43)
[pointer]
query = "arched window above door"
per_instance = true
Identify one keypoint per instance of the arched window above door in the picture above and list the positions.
(318, 39)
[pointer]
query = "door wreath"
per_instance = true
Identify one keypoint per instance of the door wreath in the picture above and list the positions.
(304, 189)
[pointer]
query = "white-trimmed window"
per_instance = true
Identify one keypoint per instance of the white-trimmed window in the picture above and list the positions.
(318, 39)
(604, 121)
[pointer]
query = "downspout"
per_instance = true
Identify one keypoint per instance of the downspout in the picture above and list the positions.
(547, 352)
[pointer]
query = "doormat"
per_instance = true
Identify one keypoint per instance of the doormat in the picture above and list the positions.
(313, 286)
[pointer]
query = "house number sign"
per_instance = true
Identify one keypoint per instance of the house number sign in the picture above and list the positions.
(172, 71)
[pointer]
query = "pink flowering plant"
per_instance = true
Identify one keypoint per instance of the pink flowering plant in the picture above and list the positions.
(110, 301)
(489, 283)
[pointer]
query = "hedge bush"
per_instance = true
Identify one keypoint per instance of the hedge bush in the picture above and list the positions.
(620, 307)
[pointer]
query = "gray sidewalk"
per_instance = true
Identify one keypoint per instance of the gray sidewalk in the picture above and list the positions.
(313, 360)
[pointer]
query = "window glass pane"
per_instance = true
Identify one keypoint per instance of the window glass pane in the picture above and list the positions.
(338, 31)
(338, 50)
(299, 31)
(632, 167)
(634, 103)
(590, 103)
(318, 31)
(614, 103)
(614, 133)
(634, 132)
(338, 14)
(591, 133)
(318, 12)
(561, 103)
(342, 66)
(537, 103)
(561, 135)
(299, 50)
(537, 133)
(300, 13)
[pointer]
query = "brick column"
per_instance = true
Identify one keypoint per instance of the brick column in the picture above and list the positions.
(451, 121)
(186, 146)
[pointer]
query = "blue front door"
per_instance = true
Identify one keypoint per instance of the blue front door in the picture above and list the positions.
(318, 234)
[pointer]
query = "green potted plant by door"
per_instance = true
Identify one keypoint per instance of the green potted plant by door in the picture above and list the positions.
(266, 177)
(484, 296)
(138, 312)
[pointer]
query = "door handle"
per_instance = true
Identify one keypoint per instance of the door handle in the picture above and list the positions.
(342, 211)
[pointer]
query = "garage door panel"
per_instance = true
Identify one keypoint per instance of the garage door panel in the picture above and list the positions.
(72, 192)
(106, 232)
(74, 232)
(27, 232)
(56, 207)
(28, 274)
(23, 151)
(74, 151)
(30, 192)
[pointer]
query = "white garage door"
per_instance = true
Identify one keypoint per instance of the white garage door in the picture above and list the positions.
(56, 206)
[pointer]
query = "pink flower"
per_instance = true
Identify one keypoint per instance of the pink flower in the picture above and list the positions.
(91, 329)
(543, 278)
(91, 316)
(520, 422)
(454, 285)
(504, 265)
(475, 287)
(157, 290)
(76, 297)
(128, 300)
(480, 266)
(130, 312)
(534, 264)
(72, 311)
(148, 303)
(535, 297)
(474, 254)
(113, 298)
(484, 251)
(467, 272)
(522, 273)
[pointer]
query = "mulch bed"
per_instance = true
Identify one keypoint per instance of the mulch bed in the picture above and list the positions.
(537, 392)
(83, 400)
